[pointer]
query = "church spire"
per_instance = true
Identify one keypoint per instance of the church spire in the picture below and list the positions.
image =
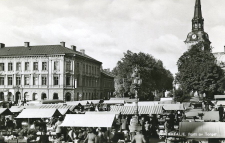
(198, 21)
(198, 11)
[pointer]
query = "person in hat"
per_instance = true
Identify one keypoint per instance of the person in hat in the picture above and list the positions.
(138, 138)
(221, 112)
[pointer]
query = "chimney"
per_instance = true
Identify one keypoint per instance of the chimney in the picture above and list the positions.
(26, 44)
(2, 45)
(74, 47)
(82, 51)
(63, 44)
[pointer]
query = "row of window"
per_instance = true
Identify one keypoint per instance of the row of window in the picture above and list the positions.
(35, 66)
(35, 80)
(88, 69)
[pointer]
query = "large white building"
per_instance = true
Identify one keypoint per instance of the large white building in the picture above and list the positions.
(48, 72)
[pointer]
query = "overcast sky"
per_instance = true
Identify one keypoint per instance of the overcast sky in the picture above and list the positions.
(108, 28)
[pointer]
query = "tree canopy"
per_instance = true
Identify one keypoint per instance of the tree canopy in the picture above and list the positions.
(154, 76)
(198, 71)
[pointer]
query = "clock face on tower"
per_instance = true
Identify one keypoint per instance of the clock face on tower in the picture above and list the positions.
(194, 36)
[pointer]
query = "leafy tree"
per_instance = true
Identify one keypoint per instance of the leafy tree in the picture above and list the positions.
(154, 76)
(198, 71)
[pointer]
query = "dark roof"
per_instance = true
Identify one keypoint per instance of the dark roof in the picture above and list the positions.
(107, 73)
(40, 50)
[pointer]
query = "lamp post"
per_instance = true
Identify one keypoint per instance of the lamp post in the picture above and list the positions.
(136, 82)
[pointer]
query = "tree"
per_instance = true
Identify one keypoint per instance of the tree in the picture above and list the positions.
(154, 76)
(198, 71)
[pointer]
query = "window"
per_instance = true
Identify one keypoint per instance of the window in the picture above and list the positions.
(68, 65)
(18, 66)
(35, 65)
(56, 80)
(26, 80)
(68, 80)
(44, 65)
(18, 81)
(9, 80)
(1, 80)
(55, 96)
(27, 66)
(35, 80)
(56, 65)
(2, 67)
(43, 80)
(10, 66)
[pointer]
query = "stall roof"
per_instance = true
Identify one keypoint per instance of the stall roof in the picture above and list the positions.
(102, 112)
(5, 111)
(166, 102)
(202, 129)
(93, 101)
(219, 96)
(64, 111)
(141, 109)
(16, 110)
(165, 99)
(208, 115)
(120, 98)
(173, 106)
(141, 103)
(220, 102)
(39, 113)
(76, 102)
(113, 102)
(57, 106)
(86, 120)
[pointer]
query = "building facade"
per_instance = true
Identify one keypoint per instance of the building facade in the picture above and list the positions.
(48, 72)
(107, 84)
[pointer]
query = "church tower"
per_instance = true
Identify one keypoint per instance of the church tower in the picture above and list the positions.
(197, 34)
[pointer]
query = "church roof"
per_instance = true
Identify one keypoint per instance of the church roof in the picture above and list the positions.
(41, 50)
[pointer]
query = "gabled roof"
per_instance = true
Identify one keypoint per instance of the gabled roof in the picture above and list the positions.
(40, 50)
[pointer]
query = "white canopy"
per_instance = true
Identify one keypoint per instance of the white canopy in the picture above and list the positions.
(173, 106)
(102, 112)
(39, 113)
(165, 99)
(114, 102)
(141, 103)
(219, 96)
(88, 120)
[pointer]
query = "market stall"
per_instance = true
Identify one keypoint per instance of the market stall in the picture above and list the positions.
(204, 115)
(39, 113)
(86, 120)
(143, 103)
(127, 110)
(173, 107)
(219, 97)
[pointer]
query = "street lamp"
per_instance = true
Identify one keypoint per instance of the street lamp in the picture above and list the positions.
(136, 82)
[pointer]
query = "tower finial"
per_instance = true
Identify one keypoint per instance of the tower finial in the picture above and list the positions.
(198, 11)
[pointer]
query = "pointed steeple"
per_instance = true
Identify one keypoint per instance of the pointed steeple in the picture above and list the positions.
(198, 21)
(197, 34)
(198, 11)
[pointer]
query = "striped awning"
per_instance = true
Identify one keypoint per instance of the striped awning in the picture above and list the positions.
(141, 109)
(57, 106)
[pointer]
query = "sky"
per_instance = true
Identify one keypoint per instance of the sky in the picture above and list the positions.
(106, 29)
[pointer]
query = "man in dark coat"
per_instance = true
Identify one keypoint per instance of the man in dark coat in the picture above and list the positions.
(43, 138)
(221, 112)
